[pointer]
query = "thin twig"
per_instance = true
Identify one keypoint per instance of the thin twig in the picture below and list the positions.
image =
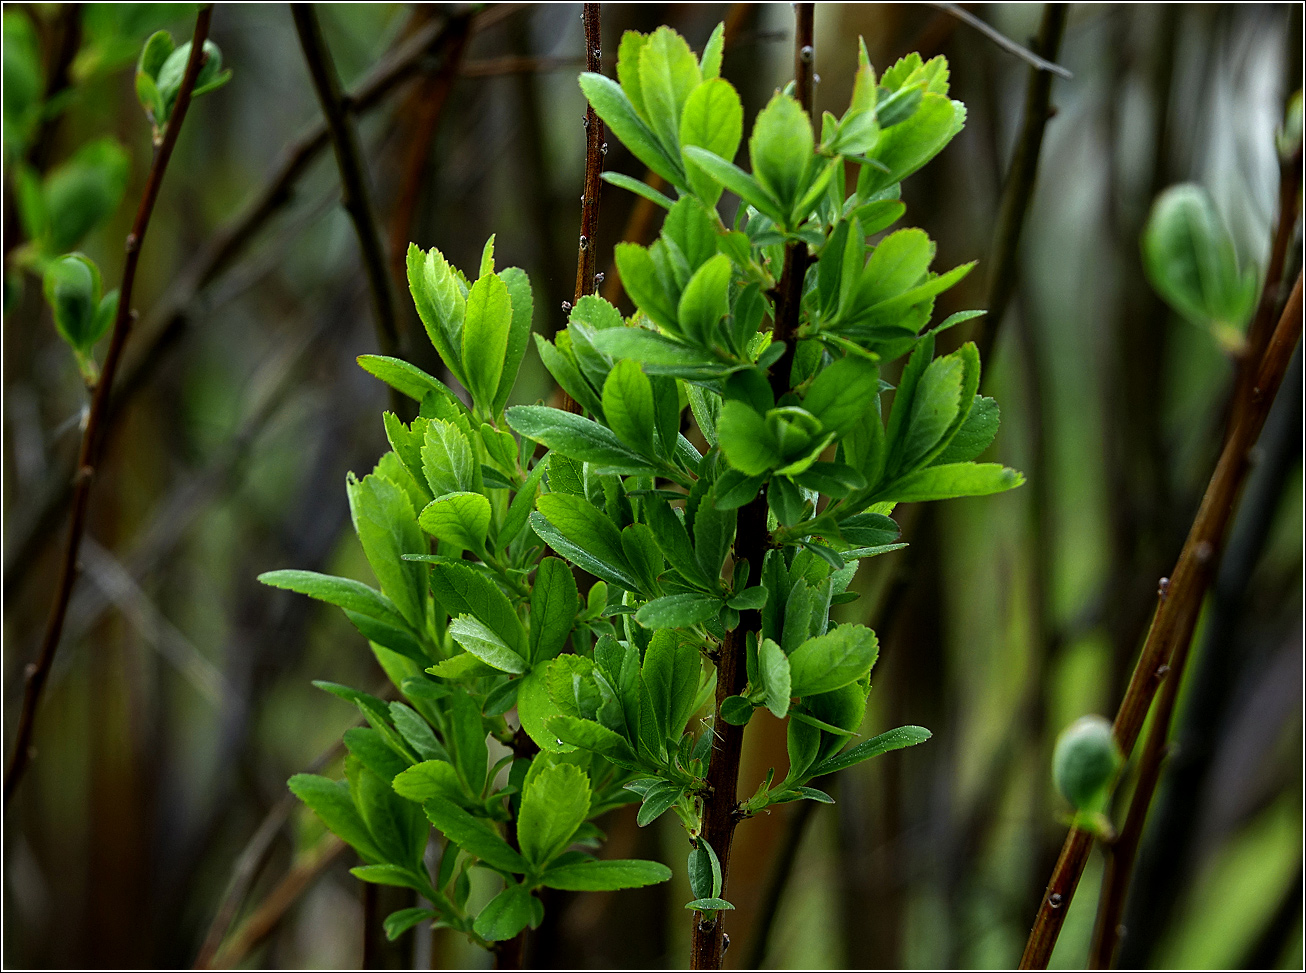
(96, 427)
(1033, 58)
(166, 324)
(720, 802)
(595, 148)
(1019, 187)
(1166, 648)
(355, 194)
(279, 901)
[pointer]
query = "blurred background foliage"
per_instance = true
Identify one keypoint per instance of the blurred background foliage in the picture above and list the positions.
(181, 698)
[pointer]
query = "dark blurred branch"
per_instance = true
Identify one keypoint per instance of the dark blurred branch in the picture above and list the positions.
(355, 194)
(1021, 177)
(1035, 58)
(428, 102)
(1166, 649)
(168, 320)
(97, 422)
(278, 902)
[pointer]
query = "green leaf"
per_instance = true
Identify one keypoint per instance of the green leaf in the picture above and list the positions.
(745, 439)
(905, 147)
(482, 642)
(668, 72)
(673, 540)
(430, 778)
(869, 530)
(737, 710)
(589, 735)
(466, 734)
(352, 595)
(601, 876)
(73, 289)
(714, 532)
(578, 438)
(710, 63)
(534, 707)
(658, 799)
(485, 338)
(84, 191)
(523, 307)
(934, 406)
(617, 111)
(416, 732)
(387, 528)
(403, 377)
(896, 739)
(461, 519)
(705, 301)
(555, 802)
(708, 905)
(398, 923)
(975, 434)
(840, 391)
(639, 187)
(505, 915)
(1190, 260)
(678, 611)
(833, 660)
(948, 481)
(474, 836)
(750, 599)
(394, 875)
(738, 182)
(331, 801)
(628, 406)
(713, 119)
(448, 463)
(781, 150)
(441, 304)
(773, 666)
(575, 529)
(671, 673)
(460, 589)
(554, 602)
(651, 349)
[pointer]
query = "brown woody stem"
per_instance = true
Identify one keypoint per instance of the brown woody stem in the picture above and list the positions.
(720, 801)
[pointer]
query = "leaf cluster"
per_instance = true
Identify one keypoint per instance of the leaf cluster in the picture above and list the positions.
(476, 518)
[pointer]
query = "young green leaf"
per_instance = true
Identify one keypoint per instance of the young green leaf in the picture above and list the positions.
(481, 641)
(832, 661)
(678, 611)
(601, 876)
(505, 915)
(578, 438)
(475, 836)
(461, 519)
(628, 406)
(896, 739)
(485, 338)
(555, 801)
(554, 602)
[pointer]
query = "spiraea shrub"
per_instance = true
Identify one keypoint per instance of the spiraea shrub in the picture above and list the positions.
(526, 705)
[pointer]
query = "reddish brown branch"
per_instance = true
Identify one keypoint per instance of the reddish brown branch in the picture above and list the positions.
(595, 147)
(93, 438)
(1166, 648)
